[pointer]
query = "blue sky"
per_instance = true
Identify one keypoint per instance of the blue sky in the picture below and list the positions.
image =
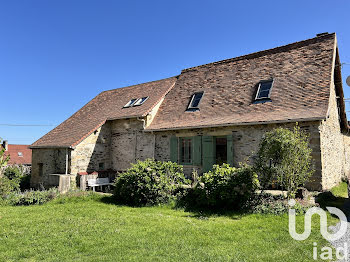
(57, 55)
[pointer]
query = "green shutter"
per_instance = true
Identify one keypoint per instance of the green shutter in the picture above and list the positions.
(229, 150)
(174, 149)
(197, 150)
(208, 153)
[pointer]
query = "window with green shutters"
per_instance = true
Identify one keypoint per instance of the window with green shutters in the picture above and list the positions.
(185, 147)
(199, 151)
(186, 150)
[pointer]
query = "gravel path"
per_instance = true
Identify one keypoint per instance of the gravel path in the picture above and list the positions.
(346, 238)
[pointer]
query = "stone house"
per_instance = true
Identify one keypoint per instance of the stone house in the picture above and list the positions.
(209, 114)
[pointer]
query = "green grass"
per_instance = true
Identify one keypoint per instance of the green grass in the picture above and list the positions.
(91, 229)
(340, 190)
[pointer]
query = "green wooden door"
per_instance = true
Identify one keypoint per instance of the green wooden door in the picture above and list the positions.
(197, 150)
(208, 153)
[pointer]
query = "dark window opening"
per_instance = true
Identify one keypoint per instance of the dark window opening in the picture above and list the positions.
(264, 90)
(186, 150)
(195, 101)
(101, 166)
(41, 172)
(221, 150)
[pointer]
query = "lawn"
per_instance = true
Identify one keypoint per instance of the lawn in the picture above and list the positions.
(92, 229)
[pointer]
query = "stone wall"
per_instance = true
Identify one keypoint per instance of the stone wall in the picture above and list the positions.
(53, 161)
(346, 138)
(93, 153)
(246, 140)
(129, 143)
(332, 145)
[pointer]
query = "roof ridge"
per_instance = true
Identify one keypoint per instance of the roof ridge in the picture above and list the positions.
(264, 52)
(138, 84)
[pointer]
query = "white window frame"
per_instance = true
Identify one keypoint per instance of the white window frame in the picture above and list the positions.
(258, 92)
(138, 101)
(193, 96)
(130, 103)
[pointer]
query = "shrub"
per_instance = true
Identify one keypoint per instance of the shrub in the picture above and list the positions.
(275, 205)
(18, 174)
(223, 187)
(284, 158)
(149, 182)
(30, 197)
(8, 186)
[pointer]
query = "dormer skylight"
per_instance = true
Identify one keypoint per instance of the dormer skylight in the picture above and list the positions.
(195, 101)
(131, 102)
(140, 101)
(264, 89)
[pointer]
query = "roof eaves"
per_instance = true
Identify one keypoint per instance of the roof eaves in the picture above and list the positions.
(238, 124)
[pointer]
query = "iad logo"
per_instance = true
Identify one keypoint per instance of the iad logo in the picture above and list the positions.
(323, 229)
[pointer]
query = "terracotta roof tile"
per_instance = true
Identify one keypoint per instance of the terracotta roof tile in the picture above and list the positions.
(19, 154)
(302, 77)
(105, 106)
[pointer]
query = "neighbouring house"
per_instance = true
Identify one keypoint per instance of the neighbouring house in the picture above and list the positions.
(19, 155)
(209, 114)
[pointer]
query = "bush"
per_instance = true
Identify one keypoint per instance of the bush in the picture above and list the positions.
(8, 186)
(30, 197)
(149, 182)
(18, 174)
(284, 158)
(275, 205)
(224, 187)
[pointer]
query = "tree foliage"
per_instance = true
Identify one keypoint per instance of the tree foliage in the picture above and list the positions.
(3, 159)
(284, 158)
(149, 182)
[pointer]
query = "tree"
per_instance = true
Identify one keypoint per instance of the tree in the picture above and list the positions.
(284, 158)
(3, 159)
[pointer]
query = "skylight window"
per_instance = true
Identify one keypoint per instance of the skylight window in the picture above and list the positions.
(131, 102)
(20, 154)
(264, 90)
(140, 101)
(195, 100)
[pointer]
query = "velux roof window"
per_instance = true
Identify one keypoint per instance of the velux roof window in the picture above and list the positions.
(136, 101)
(195, 101)
(140, 101)
(130, 103)
(264, 89)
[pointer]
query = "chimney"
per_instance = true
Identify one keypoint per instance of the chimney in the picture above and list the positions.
(5, 145)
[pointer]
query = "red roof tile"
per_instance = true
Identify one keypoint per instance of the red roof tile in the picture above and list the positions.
(19, 154)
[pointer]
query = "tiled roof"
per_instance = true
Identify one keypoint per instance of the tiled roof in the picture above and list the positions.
(302, 77)
(19, 154)
(105, 106)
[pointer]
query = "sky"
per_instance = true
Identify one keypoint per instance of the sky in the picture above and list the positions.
(57, 55)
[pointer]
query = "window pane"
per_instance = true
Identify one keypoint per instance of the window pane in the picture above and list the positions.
(264, 89)
(140, 101)
(195, 100)
(130, 102)
(186, 150)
